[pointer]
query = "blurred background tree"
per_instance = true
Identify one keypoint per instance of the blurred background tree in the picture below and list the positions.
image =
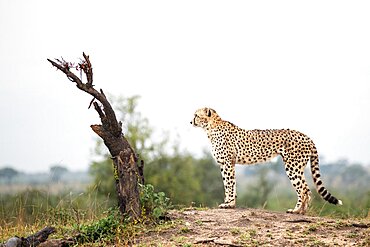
(56, 172)
(7, 174)
(256, 195)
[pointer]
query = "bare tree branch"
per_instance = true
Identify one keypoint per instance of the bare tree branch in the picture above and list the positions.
(124, 157)
(85, 65)
(87, 68)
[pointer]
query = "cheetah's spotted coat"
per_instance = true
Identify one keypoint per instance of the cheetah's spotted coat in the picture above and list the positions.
(232, 145)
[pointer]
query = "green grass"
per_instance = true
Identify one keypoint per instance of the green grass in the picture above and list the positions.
(86, 217)
(30, 211)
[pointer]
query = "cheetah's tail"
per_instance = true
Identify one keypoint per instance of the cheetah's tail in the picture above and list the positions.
(315, 170)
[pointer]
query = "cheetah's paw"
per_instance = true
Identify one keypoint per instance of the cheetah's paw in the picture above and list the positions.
(226, 205)
(295, 211)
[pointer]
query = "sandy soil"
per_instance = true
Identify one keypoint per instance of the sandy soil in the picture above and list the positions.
(254, 227)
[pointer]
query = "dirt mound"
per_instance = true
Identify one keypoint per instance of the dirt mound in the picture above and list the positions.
(254, 227)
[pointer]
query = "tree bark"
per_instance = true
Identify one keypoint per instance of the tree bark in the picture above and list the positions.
(127, 172)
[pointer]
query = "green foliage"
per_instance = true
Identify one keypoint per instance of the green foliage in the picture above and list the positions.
(137, 131)
(187, 179)
(176, 171)
(155, 205)
(257, 194)
(103, 230)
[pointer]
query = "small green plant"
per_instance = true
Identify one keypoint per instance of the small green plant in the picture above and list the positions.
(252, 232)
(180, 239)
(235, 231)
(184, 229)
(102, 230)
(312, 228)
(352, 234)
(245, 237)
(289, 234)
(317, 242)
(154, 204)
(199, 222)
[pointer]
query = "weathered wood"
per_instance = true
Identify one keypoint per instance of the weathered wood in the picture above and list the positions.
(33, 240)
(128, 173)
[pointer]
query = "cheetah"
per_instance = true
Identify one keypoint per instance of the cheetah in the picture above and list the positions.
(232, 145)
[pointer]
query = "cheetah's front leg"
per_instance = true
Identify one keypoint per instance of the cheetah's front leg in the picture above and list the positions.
(228, 177)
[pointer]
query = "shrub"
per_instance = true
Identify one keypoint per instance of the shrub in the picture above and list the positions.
(154, 204)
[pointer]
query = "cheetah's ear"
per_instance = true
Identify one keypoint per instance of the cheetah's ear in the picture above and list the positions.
(209, 112)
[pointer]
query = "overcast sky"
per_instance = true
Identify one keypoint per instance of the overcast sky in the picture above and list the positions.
(302, 65)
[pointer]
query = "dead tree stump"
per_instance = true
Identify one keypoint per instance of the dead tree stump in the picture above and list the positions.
(127, 173)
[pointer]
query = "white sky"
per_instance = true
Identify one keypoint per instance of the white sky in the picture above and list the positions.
(261, 64)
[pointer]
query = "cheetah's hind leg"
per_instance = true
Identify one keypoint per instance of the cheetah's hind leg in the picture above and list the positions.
(295, 172)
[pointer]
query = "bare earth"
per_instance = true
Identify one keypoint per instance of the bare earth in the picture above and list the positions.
(255, 227)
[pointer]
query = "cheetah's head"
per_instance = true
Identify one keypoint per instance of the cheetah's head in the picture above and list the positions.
(203, 117)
